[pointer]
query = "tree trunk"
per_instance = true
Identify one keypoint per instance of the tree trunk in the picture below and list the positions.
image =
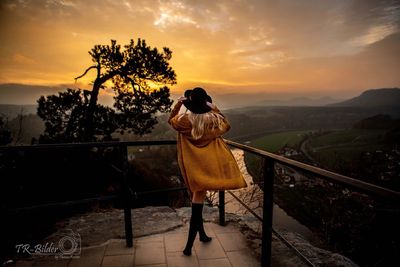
(89, 123)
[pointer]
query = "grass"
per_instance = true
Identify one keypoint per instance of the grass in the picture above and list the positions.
(332, 156)
(355, 136)
(345, 147)
(271, 143)
(274, 142)
(340, 148)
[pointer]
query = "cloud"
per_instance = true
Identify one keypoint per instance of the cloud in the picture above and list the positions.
(375, 66)
(257, 44)
(374, 34)
(21, 59)
(173, 13)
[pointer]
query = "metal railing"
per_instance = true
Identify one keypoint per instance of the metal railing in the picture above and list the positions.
(127, 195)
(269, 176)
(268, 186)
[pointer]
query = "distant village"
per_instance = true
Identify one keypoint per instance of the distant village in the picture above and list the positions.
(383, 166)
(388, 162)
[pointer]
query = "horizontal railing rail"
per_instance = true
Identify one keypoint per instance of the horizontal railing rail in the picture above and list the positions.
(88, 144)
(324, 174)
(267, 185)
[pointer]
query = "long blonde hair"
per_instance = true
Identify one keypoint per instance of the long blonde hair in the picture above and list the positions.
(201, 122)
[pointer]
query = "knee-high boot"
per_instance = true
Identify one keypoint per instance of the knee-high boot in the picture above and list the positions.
(202, 234)
(196, 225)
(193, 228)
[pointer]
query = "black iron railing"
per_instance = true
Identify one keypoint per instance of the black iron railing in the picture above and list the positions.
(270, 160)
(127, 195)
(269, 175)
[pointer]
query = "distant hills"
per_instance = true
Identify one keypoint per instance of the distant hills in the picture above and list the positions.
(299, 101)
(12, 111)
(379, 121)
(253, 119)
(239, 100)
(385, 97)
(23, 94)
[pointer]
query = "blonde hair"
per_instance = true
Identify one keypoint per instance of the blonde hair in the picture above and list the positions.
(200, 122)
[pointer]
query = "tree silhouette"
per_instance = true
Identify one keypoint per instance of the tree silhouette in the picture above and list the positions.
(5, 134)
(64, 116)
(135, 72)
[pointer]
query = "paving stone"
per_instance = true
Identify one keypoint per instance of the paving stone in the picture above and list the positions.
(118, 260)
(215, 263)
(175, 242)
(152, 238)
(218, 229)
(149, 253)
(177, 259)
(242, 258)
(118, 247)
(152, 265)
(227, 249)
(208, 227)
(93, 251)
(183, 229)
(51, 262)
(232, 241)
(85, 262)
(92, 256)
(210, 250)
(209, 230)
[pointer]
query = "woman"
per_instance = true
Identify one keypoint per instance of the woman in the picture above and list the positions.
(205, 161)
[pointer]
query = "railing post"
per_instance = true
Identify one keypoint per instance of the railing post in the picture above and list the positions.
(127, 198)
(267, 212)
(221, 208)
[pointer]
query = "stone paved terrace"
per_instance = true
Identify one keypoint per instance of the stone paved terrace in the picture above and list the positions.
(228, 248)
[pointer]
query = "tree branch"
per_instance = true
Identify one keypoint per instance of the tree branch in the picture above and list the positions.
(86, 71)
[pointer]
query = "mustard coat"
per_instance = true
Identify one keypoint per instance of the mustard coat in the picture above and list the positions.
(206, 163)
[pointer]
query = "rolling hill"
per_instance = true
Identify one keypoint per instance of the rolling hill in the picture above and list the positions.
(385, 97)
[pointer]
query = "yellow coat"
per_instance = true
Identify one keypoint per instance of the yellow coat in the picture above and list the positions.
(206, 163)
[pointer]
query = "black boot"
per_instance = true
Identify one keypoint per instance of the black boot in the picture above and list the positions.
(196, 225)
(191, 236)
(202, 234)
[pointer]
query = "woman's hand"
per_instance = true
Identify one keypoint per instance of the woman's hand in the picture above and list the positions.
(211, 105)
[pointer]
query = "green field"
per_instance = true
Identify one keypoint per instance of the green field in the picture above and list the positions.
(274, 142)
(345, 147)
(352, 136)
(271, 143)
(331, 149)
(348, 155)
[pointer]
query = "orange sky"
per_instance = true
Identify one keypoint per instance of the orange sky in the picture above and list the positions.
(329, 47)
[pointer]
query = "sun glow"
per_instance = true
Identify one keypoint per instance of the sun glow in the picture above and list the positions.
(222, 45)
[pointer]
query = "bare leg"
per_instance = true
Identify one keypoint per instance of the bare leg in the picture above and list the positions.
(199, 196)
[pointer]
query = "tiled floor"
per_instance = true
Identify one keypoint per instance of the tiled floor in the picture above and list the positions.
(228, 248)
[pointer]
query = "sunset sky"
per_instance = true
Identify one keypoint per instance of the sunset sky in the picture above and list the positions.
(311, 46)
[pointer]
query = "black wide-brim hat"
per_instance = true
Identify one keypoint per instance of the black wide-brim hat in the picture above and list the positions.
(196, 101)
